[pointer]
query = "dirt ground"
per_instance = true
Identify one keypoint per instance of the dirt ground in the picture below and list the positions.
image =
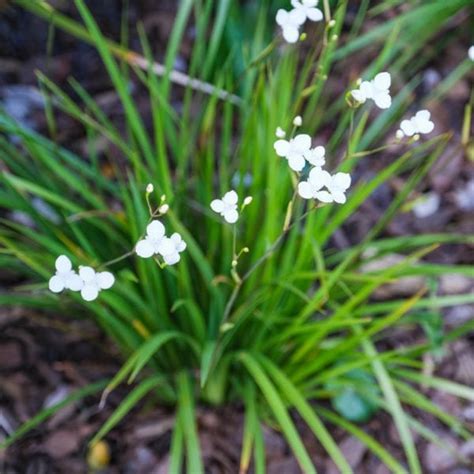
(44, 357)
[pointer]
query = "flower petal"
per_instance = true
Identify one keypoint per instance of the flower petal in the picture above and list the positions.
(282, 147)
(89, 292)
(87, 274)
(291, 34)
(144, 249)
(296, 162)
(339, 197)
(231, 216)
(178, 242)
(324, 196)
(314, 14)
(305, 190)
(423, 115)
(367, 89)
(408, 128)
(217, 205)
(316, 156)
(382, 81)
(318, 178)
(63, 264)
(342, 180)
(230, 198)
(383, 101)
(172, 258)
(281, 17)
(105, 280)
(297, 16)
(302, 143)
(359, 96)
(165, 246)
(426, 127)
(56, 284)
(155, 229)
(74, 282)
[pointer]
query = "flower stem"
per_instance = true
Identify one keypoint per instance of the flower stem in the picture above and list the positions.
(259, 262)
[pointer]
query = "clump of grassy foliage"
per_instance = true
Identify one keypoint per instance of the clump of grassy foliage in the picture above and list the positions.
(297, 328)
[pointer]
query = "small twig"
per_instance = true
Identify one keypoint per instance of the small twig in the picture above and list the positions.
(176, 77)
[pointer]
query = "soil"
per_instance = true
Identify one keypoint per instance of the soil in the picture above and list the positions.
(45, 357)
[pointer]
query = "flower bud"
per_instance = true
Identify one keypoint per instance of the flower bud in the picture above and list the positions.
(150, 188)
(234, 263)
(163, 209)
(297, 121)
(332, 24)
(280, 133)
(248, 200)
(399, 135)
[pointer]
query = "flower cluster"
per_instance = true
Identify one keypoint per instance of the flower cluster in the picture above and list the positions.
(157, 243)
(87, 281)
(298, 151)
(378, 89)
(291, 21)
(418, 124)
(336, 186)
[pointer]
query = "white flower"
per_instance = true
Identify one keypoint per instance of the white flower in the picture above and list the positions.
(471, 53)
(377, 90)
(149, 188)
(94, 282)
(307, 9)
(315, 156)
(317, 180)
(337, 187)
(427, 205)
(154, 242)
(227, 207)
(290, 23)
(298, 121)
(178, 245)
(294, 150)
(65, 277)
(420, 123)
(280, 133)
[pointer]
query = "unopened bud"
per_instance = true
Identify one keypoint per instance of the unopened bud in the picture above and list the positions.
(163, 209)
(332, 24)
(246, 250)
(399, 135)
(280, 133)
(303, 36)
(234, 263)
(416, 137)
(297, 121)
(150, 188)
(163, 198)
(334, 37)
(248, 200)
